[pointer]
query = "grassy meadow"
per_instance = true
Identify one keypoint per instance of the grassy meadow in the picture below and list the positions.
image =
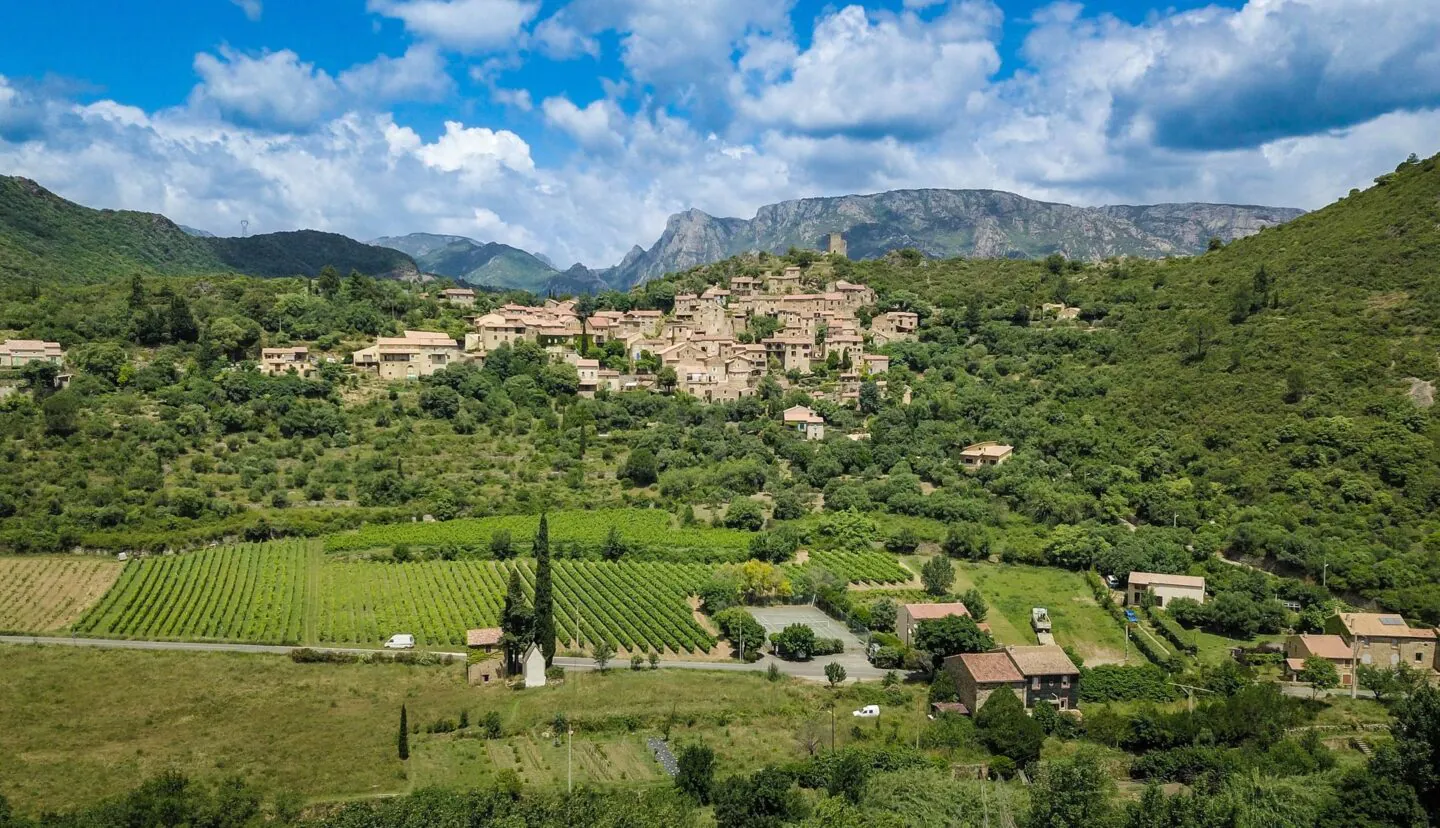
(86, 723)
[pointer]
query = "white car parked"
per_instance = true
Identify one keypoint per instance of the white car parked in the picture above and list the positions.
(869, 711)
(402, 641)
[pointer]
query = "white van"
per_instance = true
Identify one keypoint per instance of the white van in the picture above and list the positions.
(401, 641)
(869, 711)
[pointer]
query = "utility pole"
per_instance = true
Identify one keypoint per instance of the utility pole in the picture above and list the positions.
(832, 728)
(1354, 671)
(1325, 573)
(569, 774)
(1127, 641)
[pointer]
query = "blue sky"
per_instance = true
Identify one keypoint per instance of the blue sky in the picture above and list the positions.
(575, 127)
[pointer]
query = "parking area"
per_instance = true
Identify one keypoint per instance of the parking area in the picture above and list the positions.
(775, 619)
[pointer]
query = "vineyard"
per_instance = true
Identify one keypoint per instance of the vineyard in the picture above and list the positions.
(871, 567)
(287, 593)
(650, 534)
(254, 592)
(45, 594)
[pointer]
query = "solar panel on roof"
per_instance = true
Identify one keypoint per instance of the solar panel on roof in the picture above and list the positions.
(1392, 621)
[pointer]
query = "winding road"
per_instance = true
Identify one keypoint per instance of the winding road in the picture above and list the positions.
(810, 670)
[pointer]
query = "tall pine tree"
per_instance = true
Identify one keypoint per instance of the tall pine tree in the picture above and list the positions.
(544, 594)
(517, 622)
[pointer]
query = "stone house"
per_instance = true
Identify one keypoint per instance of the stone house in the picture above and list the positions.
(909, 616)
(464, 297)
(980, 455)
(277, 361)
(979, 675)
(807, 423)
(416, 354)
(17, 353)
(1050, 675)
(1385, 640)
(1332, 648)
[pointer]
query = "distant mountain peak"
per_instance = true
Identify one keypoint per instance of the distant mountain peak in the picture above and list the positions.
(488, 264)
(946, 223)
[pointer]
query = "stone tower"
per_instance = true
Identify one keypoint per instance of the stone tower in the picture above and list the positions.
(835, 243)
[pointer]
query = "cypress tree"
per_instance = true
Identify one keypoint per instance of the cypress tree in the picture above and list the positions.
(404, 743)
(517, 622)
(544, 594)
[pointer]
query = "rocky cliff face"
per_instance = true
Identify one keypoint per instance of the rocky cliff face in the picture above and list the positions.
(946, 223)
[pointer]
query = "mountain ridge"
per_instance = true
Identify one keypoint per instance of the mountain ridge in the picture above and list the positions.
(944, 223)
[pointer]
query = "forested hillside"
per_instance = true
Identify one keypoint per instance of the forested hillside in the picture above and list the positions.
(47, 239)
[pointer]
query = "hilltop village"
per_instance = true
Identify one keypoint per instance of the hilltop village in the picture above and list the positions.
(716, 345)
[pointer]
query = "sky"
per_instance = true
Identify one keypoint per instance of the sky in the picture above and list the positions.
(575, 128)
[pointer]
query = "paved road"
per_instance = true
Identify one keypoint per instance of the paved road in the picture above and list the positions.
(812, 670)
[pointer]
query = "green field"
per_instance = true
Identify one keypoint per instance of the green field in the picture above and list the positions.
(85, 723)
(289, 593)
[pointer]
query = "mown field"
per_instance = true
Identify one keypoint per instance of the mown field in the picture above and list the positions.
(83, 723)
(47, 594)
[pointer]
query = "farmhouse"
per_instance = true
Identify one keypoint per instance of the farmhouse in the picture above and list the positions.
(17, 353)
(809, 424)
(980, 455)
(1332, 648)
(910, 616)
(1034, 674)
(1165, 588)
(1385, 640)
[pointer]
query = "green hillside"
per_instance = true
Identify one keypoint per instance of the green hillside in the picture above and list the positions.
(45, 238)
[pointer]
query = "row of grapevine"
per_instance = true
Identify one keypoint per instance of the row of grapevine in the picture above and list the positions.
(47, 593)
(651, 533)
(263, 593)
(253, 592)
(862, 567)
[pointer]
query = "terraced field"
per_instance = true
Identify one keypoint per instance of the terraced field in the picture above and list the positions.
(48, 594)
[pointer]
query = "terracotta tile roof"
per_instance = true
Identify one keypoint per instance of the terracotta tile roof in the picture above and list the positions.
(1041, 660)
(989, 668)
(1147, 578)
(950, 707)
(1326, 646)
(1379, 625)
(925, 612)
(485, 637)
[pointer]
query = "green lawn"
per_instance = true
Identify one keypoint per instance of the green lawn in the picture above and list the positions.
(1077, 621)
